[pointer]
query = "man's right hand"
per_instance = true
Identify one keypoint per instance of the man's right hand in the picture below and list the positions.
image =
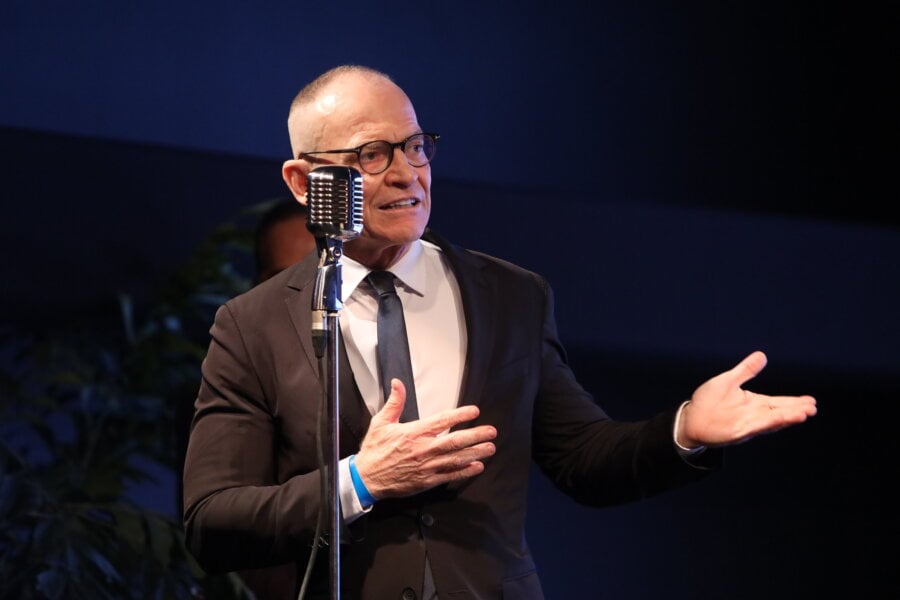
(401, 459)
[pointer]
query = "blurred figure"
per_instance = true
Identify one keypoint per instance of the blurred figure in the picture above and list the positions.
(281, 238)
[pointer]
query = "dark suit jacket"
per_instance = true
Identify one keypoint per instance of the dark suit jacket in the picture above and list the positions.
(251, 485)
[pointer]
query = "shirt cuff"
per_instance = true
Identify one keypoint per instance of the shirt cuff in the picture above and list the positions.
(351, 507)
(684, 452)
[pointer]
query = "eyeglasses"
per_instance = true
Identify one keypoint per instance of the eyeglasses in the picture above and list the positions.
(375, 157)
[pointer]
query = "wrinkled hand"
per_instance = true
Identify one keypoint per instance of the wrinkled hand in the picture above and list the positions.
(720, 412)
(401, 459)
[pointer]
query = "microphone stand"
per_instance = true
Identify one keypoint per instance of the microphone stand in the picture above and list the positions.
(334, 195)
(326, 341)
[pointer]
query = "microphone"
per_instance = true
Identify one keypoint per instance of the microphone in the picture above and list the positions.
(334, 197)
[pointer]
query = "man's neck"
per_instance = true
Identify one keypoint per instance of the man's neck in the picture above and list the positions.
(375, 255)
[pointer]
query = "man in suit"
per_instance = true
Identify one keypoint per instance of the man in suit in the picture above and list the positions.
(435, 507)
(281, 238)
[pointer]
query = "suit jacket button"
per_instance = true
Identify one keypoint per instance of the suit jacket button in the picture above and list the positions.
(427, 520)
(408, 594)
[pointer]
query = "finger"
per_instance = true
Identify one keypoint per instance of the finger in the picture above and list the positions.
(470, 470)
(393, 406)
(748, 368)
(794, 406)
(457, 461)
(464, 438)
(449, 418)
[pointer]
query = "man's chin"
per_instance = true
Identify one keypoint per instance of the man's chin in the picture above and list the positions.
(392, 236)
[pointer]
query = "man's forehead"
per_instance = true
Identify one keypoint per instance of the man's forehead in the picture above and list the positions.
(344, 91)
(326, 104)
(356, 109)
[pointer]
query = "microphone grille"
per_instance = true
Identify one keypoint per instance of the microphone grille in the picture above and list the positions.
(335, 201)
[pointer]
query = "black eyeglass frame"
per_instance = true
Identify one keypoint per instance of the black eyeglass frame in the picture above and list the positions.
(394, 145)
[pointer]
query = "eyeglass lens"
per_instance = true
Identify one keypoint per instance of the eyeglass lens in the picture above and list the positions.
(375, 157)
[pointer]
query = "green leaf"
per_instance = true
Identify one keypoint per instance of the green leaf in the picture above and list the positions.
(162, 540)
(108, 570)
(91, 397)
(51, 584)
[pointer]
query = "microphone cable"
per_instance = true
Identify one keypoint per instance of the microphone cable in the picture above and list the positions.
(323, 485)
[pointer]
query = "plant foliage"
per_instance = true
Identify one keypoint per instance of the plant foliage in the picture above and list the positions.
(92, 412)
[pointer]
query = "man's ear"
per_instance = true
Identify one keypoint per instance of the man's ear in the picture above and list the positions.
(294, 174)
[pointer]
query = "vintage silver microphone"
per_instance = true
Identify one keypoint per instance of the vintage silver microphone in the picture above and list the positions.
(334, 195)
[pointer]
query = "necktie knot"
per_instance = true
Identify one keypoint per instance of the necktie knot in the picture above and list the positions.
(382, 282)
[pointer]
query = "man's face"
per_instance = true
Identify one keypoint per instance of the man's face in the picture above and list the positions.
(285, 243)
(396, 202)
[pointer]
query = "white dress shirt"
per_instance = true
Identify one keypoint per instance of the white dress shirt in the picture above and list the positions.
(432, 309)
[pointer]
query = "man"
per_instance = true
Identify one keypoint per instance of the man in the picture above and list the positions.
(435, 507)
(281, 238)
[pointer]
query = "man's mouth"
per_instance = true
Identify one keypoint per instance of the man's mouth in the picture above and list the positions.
(401, 204)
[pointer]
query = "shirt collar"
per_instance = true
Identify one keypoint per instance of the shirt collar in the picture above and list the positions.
(410, 270)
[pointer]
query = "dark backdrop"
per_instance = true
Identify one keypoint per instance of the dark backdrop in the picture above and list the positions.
(696, 181)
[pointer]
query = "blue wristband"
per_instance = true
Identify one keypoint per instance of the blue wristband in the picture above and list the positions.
(365, 498)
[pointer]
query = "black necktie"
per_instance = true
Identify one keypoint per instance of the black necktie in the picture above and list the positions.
(393, 346)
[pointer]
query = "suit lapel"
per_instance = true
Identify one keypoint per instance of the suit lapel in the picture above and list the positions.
(353, 413)
(479, 310)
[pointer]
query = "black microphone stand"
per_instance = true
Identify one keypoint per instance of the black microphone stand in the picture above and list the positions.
(326, 341)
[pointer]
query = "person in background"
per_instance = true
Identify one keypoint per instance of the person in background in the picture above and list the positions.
(435, 505)
(281, 238)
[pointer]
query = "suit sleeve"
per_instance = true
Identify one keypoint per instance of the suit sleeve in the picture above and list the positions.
(594, 459)
(237, 515)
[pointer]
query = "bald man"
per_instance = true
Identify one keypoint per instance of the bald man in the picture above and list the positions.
(434, 507)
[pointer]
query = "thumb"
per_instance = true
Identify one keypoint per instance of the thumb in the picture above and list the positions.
(749, 368)
(393, 406)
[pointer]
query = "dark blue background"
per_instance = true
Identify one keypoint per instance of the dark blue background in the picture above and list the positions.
(696, 180)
